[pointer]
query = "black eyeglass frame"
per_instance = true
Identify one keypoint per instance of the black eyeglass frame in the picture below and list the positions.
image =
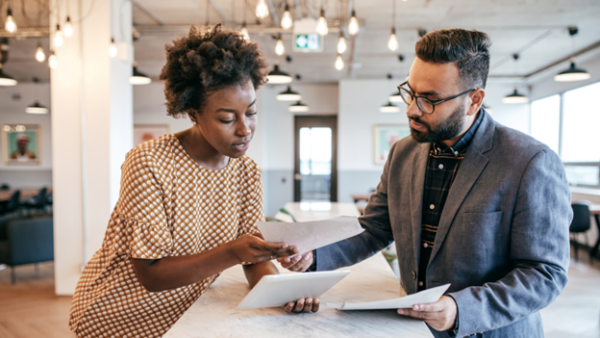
(433, 103)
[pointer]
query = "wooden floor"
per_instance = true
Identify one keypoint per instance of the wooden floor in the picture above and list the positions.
(30, 309)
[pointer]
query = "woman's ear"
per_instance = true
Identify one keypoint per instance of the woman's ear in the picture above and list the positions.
(193, 114)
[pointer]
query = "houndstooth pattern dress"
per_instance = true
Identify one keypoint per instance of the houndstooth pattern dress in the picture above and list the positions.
(168, 206)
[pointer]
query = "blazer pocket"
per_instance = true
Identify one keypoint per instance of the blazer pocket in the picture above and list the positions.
(471, 219)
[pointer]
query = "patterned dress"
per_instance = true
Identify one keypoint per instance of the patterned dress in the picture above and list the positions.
(168, 206)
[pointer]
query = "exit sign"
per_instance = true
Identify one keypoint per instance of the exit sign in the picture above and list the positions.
(309, 42)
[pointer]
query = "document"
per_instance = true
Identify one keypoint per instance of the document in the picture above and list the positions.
(426, 296)
(307, 236)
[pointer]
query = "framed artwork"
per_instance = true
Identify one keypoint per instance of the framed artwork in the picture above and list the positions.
(385, 135)
(147, 132)
(21, 144)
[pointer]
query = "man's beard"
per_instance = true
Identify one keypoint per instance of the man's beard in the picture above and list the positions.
(448, 129)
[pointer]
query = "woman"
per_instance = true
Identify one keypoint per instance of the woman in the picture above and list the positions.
(189, 201)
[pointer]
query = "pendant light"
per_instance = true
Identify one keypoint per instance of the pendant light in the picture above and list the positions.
(286, 19)
(278, 77)
(6, 80)
(36, 107)
(487, 108)
(244, 30)
(515, 97)
(322, 28)
(353, 26)
(389, 108)
(68, 27)
(298, 107)
(40, 56)
(262, 10)
(279, 48)
(58, 37)
(341, 45)
(10, 24)
(339, 63)
(52, 60)
(139, 78)
(395, 97)
(112, 49)
(573, 73)
(393, 41)
(288, 95)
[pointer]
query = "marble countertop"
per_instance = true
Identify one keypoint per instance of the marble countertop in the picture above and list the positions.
(215, 314)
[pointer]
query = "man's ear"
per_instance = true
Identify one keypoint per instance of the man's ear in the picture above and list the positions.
(477, 97)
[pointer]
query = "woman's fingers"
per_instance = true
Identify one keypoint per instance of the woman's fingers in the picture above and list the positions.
(308, 302)
(289, 307)
(316, 304)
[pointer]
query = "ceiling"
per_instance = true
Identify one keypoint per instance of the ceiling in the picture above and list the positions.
(537, 29)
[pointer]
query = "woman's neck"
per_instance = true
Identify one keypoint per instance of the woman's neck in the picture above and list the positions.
(200, 150)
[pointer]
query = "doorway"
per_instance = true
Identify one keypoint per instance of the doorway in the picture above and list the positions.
(315, 158)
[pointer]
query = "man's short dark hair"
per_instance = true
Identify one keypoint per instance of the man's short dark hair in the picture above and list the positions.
(206, 60)
(468, 50)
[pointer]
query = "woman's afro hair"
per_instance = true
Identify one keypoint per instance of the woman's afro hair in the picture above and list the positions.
(206, 60)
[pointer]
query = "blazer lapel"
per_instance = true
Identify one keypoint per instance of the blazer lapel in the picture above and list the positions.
(468, 173)
(416, 194)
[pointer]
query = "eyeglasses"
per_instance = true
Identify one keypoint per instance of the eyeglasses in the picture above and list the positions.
(425, 105)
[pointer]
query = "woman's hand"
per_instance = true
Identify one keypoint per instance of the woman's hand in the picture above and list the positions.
(303, 305)
(253, 249)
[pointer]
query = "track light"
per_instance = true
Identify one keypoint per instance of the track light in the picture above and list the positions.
(58, 37)
(262, 11)
(112, 50)
(52, 60)
(279, 48)
(298, 107)
(341, 45)
(139, 78)
(10, 24)
(389, 108)
(322, 28)
(393, 41)
(288, 95)
(286, 19)
(68, 27)
(339, 63)
(40, 56)
(515, 97)
(353, 24)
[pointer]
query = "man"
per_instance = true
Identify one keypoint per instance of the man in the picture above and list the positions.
(467, 202)
(22, 154)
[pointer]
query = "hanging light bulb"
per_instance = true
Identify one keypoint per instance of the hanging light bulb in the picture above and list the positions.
(58, 37)
(279, 48)
(39, 53)
(286, 19)
(68, 27)
(10, 24)
(341, 46)
(112, 50)
(322, 28)
(245, 33)
(52, 61)
(393, 41)
(353, 24)
(262, 11)
(339, 63)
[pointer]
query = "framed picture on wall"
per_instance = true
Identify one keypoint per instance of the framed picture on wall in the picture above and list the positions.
(21, 144)
(385, 135)
(147, 132)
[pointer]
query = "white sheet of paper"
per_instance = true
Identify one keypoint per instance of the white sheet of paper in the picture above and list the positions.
(426, 296)
(312, 235)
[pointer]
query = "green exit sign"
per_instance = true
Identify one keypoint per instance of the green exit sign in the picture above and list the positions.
(307, 43)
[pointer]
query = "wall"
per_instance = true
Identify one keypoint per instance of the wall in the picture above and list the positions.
(13, 112)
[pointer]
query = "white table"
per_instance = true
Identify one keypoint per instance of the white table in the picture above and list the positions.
(215, 313)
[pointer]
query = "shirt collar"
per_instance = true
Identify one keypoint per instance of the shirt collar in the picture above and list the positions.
(461, 145)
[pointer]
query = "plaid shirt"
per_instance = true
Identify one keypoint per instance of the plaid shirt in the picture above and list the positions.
(442, 166)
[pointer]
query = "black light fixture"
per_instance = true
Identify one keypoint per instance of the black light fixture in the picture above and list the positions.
(515, 97)
(573, 73)
(5, 79)
(278, 77)
(289, 95)
(36, 107)
(395, 97)
(389, 108)
(139, 78)
(298, 107)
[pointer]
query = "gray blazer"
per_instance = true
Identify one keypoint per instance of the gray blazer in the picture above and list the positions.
(503, 236)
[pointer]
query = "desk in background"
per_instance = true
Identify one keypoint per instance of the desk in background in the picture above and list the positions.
(595, 210)
(25, 193)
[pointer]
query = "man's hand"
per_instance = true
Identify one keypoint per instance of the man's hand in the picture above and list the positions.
(253, 249)
(302, 305)
(440, 315)
(297, 263)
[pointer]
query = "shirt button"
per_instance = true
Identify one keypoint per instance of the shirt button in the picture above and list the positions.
(432, 207)
(420, 283)
(441, 166)
(425, 245)
(414, 275)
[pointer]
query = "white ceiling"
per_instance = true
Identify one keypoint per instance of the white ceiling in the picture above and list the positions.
(511, 24)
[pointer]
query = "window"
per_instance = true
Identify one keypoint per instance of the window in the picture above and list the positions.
(545, 121)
